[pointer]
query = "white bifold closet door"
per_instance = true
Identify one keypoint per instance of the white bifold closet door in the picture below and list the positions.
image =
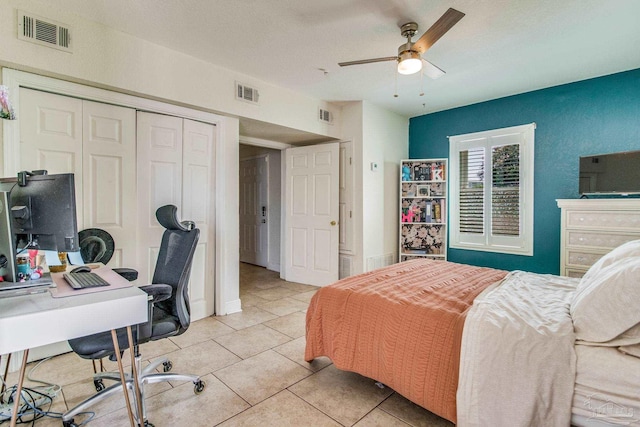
(175, 166)
(96, 142)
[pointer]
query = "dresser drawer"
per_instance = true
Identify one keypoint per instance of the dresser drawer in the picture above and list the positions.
(579, 238)
(603, 219)
(575, 272)
(582, 259)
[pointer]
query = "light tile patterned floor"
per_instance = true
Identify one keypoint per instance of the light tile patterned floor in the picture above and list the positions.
(253, 365)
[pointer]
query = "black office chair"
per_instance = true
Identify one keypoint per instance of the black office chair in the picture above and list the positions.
(169, 315)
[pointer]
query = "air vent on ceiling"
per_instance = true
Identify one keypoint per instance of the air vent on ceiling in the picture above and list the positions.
(246, 93)
(43, 31)
(325, 116)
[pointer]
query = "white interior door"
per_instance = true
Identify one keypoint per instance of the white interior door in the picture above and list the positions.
(198, 205)
(159, 163)
(175, 166)
(95, 142)
(51, 136)
(109, 165)
(254, 211)
(311, 214)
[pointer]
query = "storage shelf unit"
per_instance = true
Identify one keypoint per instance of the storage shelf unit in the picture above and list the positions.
(423, 207)
(592, 227)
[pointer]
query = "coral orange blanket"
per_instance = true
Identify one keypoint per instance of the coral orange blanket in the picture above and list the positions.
(400, 325)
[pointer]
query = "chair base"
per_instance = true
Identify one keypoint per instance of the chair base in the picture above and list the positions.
(148, 375)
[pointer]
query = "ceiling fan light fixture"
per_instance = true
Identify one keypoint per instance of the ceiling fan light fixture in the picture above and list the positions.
(409, 62)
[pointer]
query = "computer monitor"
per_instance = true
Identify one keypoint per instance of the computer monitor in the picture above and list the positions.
(40, 209)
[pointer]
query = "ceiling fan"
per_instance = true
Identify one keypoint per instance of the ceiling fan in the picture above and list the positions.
(410, 54)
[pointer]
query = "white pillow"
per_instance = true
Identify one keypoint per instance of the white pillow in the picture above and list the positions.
(606, 303)
(625, 250)
(627, 338)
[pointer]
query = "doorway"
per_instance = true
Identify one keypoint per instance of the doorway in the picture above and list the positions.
(260, 206)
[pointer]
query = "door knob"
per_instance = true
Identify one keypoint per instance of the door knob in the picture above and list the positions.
(333, 223)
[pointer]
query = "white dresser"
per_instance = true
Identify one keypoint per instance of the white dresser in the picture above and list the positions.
(592, 227)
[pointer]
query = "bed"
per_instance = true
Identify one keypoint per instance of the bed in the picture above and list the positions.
(480, 346)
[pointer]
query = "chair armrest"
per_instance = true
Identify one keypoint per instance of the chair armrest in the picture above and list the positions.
(158, 292)
(128, 273)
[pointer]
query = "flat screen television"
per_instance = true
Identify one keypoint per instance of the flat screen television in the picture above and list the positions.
(613, 173)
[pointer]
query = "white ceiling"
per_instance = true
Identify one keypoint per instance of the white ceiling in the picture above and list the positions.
(500, 48)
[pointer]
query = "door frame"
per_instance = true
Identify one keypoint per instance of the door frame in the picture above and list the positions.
(226, 280)
(280, 146)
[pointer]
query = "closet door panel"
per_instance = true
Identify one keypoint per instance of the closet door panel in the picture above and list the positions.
(159, 181)
(51, 136)
(197, 205)
(109, 162)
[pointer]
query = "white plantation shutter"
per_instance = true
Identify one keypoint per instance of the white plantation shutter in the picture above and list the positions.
(492, 190)
(505, 190)
(472, 191)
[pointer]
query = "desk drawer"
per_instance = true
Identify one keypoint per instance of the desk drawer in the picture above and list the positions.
(578, 238)
(603, 219)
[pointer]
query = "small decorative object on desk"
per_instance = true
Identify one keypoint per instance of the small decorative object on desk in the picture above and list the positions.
(6, 110)
(62, 256)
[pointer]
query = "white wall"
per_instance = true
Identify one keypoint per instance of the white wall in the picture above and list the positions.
(111, 59)
(380, 137)
(386, 142)
(352, 131)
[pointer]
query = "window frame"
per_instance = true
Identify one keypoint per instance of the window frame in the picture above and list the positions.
(524, 136)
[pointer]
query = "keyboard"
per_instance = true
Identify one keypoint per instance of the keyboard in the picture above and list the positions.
(84, 280)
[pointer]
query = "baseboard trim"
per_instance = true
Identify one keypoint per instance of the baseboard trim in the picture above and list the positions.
(273, 267)
(231, 307)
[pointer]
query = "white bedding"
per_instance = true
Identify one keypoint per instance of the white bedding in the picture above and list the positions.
(607, 387)
(517, 364)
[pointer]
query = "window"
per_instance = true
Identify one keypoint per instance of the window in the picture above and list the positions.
(491, 186)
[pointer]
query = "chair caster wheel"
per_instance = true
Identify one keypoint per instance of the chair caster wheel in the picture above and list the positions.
(199, 387)
(167, 366)
(99, 385)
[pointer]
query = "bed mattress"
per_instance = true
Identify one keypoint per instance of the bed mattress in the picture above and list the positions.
(607, 387)
(400, 325)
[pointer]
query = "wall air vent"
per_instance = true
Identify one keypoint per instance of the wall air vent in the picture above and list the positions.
(246, 93)
(325, 116)
(43, 31)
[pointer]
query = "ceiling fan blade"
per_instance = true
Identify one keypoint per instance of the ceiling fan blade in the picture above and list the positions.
(437, 30)
(430, 70)
(368, 61)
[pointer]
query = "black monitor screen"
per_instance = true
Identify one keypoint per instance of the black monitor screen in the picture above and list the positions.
(45, 209)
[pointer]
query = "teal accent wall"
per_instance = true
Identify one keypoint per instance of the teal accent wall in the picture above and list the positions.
(595, 116)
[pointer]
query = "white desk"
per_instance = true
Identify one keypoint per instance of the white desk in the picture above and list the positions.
(35, 320)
